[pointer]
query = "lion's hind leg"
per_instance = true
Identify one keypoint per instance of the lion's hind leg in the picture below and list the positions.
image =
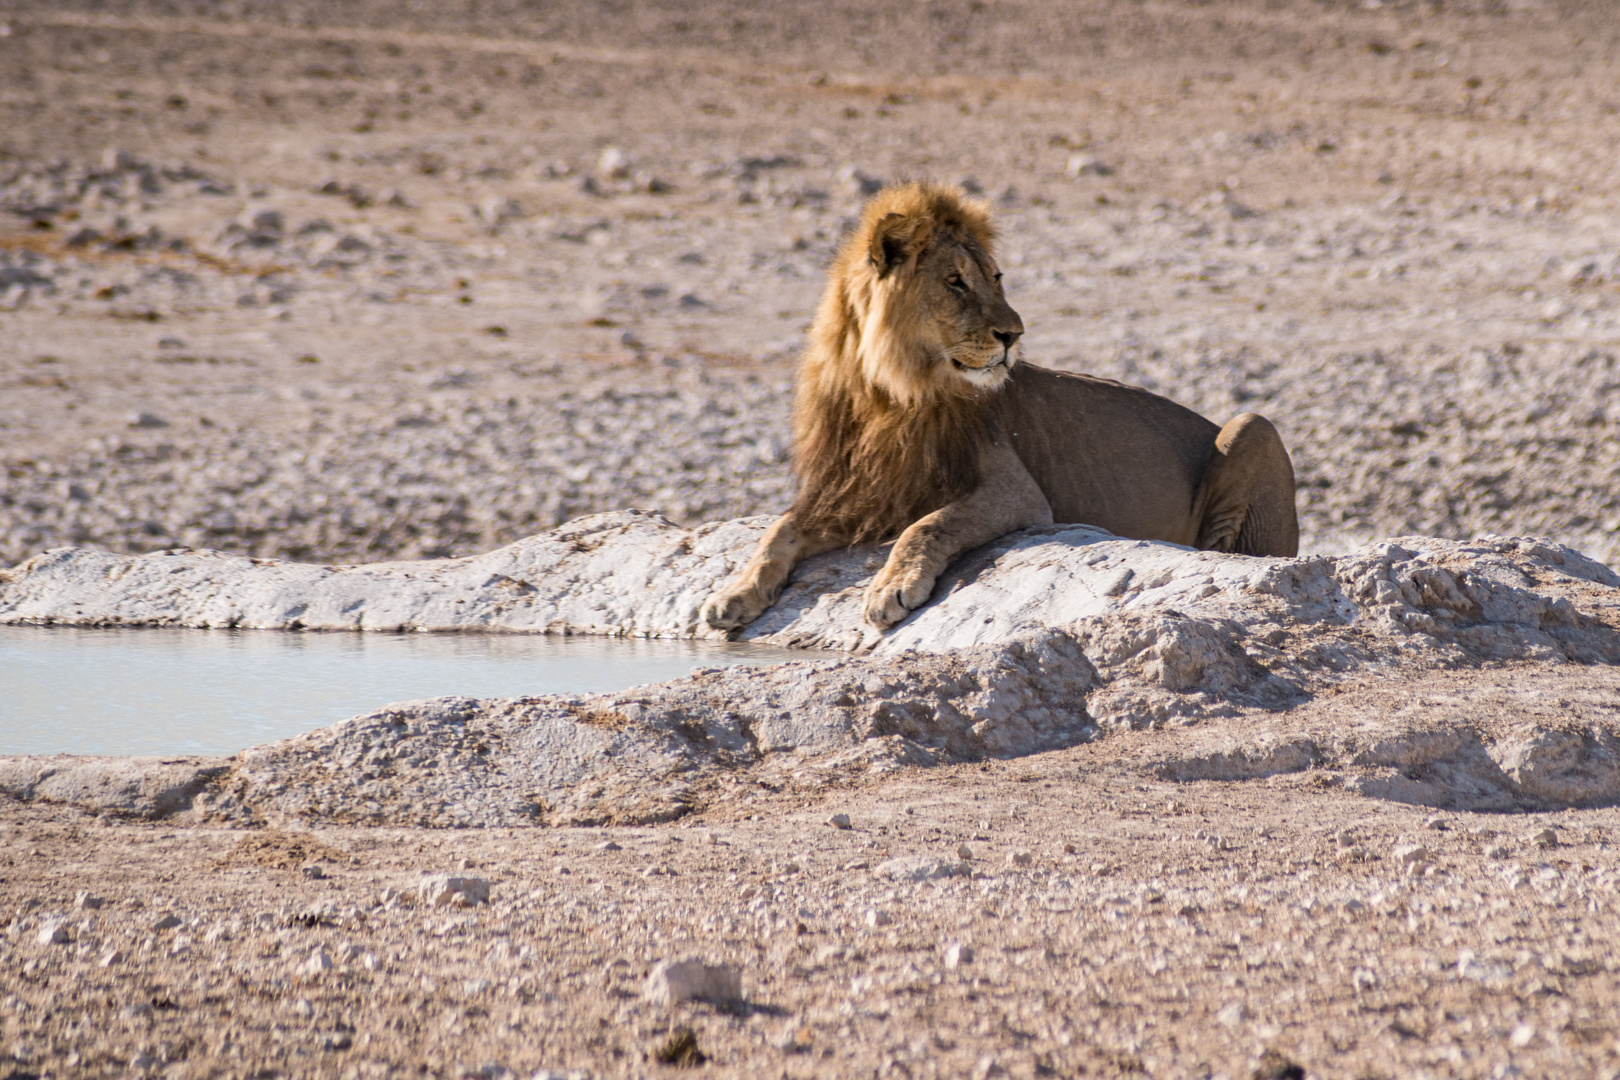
(1247, 497)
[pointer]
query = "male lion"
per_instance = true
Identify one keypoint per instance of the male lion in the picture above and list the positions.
(913, 418)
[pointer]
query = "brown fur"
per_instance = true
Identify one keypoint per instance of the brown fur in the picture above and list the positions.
(873, 455)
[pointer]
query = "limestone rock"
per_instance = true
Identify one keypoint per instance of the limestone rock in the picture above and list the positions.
(439, 890)
(674, 981)
(1043, 639)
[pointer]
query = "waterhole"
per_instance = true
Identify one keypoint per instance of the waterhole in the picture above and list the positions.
(147, 691)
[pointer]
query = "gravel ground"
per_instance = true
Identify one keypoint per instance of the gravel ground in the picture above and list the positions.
(425, 282)
(1111, 926)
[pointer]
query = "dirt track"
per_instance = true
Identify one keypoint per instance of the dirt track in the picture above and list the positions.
(358, 290)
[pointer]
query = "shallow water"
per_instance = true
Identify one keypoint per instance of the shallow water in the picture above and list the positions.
(68, 690)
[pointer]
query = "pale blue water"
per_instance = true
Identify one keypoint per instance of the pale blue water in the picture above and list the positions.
(141, 691)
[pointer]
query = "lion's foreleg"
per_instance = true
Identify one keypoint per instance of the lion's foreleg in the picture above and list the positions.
(1007, 499)
(757, 586)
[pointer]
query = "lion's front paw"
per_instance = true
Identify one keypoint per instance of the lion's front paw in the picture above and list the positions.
(734, 607)
(894, 594)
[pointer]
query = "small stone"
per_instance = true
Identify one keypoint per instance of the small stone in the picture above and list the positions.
(1499, 852)
(839, 821)
(1020, 858)
(674, 981)
(143, 419)
(166, 921)
(110, 957)
(920, 868)
(441, 890)
(964, 852)
(1232, 1015)
(875, 918)
(1522, 1035)
(1408, 854)
(1346, 839)
(1086, 165)
(304, 1008)
(614, 164)
(318, 963)
(314, 873)
(957, 954)
(680, 1050)
(1544, 838)
(608, 845)
(1438, 823)
(1353, 905)
(53, 932)
(797, 1038)
(85, 900)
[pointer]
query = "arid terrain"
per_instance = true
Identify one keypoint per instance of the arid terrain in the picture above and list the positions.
(350, 282)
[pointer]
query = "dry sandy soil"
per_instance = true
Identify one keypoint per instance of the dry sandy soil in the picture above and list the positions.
(348, 282)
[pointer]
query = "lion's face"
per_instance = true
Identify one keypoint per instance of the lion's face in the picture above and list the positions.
(934, 315)
(965, 320)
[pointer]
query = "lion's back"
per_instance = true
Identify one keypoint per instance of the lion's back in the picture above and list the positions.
(1107, 454)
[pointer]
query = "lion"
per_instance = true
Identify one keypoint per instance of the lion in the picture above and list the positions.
(915, 421)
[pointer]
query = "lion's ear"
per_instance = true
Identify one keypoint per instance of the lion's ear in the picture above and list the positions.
(896, 238)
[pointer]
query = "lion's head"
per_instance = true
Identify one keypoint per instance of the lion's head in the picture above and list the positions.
(916, 293)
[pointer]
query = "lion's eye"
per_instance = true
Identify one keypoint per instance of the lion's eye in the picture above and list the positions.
(955, 281)
(998, 277)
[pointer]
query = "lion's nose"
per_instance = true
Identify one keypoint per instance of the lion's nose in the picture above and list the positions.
(1007, 337)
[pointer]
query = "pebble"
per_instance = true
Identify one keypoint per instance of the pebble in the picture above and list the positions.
(1413, 853)
(614, 164)
(166, 921)
(875, 918)
(1545, 838)
(608, 845)
(1086, 165)
(839, 821)
(1020, 858)
(920, 868)
(318, 963)
(85, 900)
(439, 890)
(145, 419)
(964, 852)
(1438, 823)
(673, 981)
(110, 957)
(1232, 1014)
(1499, 852)
(314, 873)
(957, 954)
(53, 932)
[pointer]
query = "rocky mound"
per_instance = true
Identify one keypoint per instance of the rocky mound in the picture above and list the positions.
(1047, 638)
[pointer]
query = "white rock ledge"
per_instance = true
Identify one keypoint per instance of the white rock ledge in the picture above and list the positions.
(1044, 639)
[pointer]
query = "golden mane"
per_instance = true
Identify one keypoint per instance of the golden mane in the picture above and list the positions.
(879, 437)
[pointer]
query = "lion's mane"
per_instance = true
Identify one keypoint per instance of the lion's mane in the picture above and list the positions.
(881, 437)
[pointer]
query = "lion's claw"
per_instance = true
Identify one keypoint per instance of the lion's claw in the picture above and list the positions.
(729, 610)
(889, 602)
